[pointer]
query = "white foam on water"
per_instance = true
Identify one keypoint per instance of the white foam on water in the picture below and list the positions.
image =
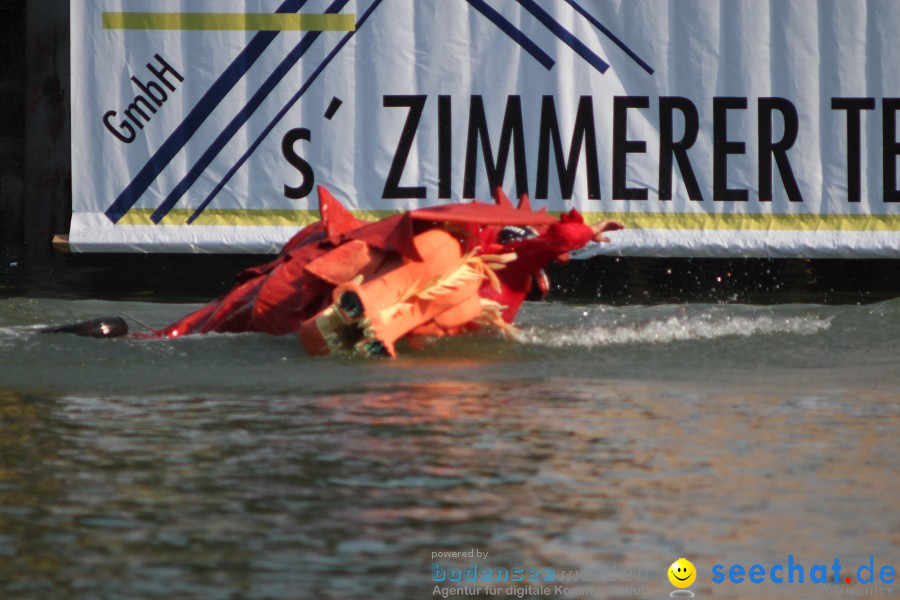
(9, 336)
(677, 328)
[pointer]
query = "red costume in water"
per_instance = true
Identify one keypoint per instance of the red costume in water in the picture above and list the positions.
(345, 284)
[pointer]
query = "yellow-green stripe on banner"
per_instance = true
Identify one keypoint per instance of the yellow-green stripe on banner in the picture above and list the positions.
(746, 222)
(194, 21)
(236, 217)
(632, 220)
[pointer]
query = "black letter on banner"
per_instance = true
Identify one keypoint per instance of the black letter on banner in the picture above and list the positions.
(445, 147)
(853, 106)
(584, 133)
(287, 149)
(392, 187)
(124, 126)
(890, 148)
(161, 73)
(768, 148)
(511, 131)
(152, 89)
(722, 148)
(669, 148)
(134, 107)
(622, 146)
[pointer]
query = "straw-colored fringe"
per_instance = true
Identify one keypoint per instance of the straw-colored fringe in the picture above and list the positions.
(472, 268)
(490, 317)
(498, 261)
(331, 338)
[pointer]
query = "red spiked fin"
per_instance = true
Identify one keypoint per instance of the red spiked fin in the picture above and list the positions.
(524, 203)
(501, 198)
(337, 219)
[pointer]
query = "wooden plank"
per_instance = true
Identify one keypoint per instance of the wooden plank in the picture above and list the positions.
(61, 243)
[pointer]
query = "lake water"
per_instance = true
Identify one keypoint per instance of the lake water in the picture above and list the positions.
(612, 441)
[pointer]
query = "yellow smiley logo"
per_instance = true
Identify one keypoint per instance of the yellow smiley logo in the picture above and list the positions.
(682, 573)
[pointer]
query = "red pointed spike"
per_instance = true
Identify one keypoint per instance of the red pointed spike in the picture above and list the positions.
(524, 203)
(501, 198)
(337, 219)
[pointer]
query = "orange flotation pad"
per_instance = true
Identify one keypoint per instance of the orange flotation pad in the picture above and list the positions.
(371, 314)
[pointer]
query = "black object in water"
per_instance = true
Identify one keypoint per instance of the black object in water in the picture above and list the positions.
(103, 327)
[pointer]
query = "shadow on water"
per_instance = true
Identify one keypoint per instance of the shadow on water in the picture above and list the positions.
(623, 280)
(611, 280)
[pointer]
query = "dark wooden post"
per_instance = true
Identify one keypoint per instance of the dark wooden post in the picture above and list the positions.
(12, 124)
(48, 173)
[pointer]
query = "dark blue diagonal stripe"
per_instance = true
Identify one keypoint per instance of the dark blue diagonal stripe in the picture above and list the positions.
(210, 100)
(241, 118)
(512, 31)
(283, 112)
(565, 35)
(593, 21)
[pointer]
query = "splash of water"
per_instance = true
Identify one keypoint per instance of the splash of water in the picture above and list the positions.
(677, 328)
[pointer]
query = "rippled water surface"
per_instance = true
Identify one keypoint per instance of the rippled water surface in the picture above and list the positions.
(612, 440)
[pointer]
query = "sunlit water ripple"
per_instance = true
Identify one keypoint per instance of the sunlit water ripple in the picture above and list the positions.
(232, 466)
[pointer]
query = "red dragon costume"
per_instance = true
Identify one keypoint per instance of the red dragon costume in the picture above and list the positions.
(343, 284)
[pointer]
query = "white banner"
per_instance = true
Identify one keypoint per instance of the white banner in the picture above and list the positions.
(732, 128)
